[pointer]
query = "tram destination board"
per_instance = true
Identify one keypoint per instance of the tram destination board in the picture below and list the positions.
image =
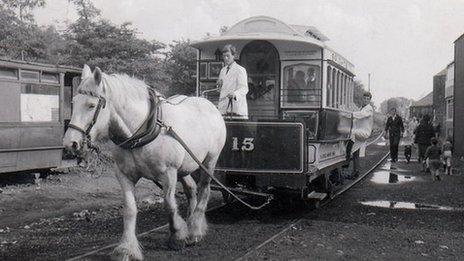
(263, 147)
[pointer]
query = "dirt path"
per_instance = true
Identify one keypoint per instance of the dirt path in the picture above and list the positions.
(399, 220)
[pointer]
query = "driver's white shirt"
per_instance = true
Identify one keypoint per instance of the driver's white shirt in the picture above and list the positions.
(363, 123)
(234, 81)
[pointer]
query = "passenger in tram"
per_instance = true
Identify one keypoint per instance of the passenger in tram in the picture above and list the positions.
(311, 81)
(233, 83)
(296, 87)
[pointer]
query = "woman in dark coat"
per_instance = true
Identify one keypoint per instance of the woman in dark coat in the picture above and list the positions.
(423, 133)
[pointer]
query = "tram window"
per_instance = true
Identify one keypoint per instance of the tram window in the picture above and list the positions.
(334, 87)
(50, 77)
(29, 75)
(329, 86)
(301, 85)
(40, 103)
(8, 73)
(337, 94)
(344, 90)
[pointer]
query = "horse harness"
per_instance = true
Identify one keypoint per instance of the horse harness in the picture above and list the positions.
(146, 133)
(149, 130)
(101, 104)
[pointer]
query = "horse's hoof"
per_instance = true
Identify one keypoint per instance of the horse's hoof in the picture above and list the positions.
(176, 244)
(193, 240)
(124, 254)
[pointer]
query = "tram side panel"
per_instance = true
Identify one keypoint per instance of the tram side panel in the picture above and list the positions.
(263, 147)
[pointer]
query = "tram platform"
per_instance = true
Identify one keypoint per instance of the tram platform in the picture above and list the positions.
(396, 213)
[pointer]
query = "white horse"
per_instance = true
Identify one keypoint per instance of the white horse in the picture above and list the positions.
(116, 106)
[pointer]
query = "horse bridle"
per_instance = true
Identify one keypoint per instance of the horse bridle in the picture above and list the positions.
(101, 104)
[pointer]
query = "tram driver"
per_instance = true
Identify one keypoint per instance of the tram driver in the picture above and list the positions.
(363, 122)
(233, 84)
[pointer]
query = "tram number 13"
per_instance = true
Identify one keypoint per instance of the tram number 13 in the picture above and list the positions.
(246, 144)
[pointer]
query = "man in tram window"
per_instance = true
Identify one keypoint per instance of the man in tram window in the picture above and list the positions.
(311, 81)
(363, 122)
(233, 86)
(296, 87)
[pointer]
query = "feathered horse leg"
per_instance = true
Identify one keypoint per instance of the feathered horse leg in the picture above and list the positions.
(128, 248)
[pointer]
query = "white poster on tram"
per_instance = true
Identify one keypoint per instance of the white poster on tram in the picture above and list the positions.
(39, 107)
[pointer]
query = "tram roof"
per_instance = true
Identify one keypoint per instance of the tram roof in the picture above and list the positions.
(37, 66)
(270, 29)
(267, 28)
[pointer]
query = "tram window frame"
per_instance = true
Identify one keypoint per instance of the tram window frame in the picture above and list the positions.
(8, 73)
(286, 67)
(338, 99)
(334, 88)
(345, 102)
(45, 77)
(328, 87)
(23, 77)
(36, 92)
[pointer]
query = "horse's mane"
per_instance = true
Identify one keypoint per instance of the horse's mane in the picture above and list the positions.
(122, 88)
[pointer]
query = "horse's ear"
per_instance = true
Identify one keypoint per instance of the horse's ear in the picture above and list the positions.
(97, 76)
(86, 72)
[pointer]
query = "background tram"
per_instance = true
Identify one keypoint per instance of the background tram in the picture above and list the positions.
(300, 101)
(35, 106)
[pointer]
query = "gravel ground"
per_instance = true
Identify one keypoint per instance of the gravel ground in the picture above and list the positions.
(73, 213)
(348, 230)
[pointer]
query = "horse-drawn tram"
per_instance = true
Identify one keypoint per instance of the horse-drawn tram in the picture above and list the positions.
(35, 104)
(300, 104)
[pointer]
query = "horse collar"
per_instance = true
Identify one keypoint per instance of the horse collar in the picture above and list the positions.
(148, 131)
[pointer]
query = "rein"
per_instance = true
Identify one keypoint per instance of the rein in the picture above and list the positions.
(153, 126)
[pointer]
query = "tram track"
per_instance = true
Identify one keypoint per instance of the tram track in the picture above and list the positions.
(156, 229)
(295, 222)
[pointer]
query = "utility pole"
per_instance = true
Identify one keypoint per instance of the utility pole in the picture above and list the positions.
(369, 82)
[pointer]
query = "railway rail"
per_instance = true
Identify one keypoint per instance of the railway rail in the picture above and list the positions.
(295, 222)
(248, 252)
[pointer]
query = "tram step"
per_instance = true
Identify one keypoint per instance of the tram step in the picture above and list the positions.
(316, 195)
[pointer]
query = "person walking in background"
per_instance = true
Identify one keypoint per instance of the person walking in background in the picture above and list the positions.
(447, 155)
(394, 128)
(432, 156)
(423, 133)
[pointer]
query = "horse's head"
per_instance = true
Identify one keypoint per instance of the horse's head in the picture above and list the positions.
(91, 114)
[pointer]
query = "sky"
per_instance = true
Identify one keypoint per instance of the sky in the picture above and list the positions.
(401, 43)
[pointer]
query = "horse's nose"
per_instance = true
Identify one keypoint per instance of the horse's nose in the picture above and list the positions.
(72, 147)
(75, 145)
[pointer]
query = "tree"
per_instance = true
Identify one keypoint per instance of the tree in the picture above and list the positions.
(358, 93)
(181, 67)
(86, 10)
(24, 39)
(23, 8)
(115, 49)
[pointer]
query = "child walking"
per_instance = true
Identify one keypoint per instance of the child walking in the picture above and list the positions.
(432, 156)
(447, 155)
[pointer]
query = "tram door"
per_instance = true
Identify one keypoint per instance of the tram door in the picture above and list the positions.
(261, 61)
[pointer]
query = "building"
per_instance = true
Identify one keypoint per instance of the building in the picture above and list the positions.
(449, 89)
(422, 107)
(458, 91)
(439, 106)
